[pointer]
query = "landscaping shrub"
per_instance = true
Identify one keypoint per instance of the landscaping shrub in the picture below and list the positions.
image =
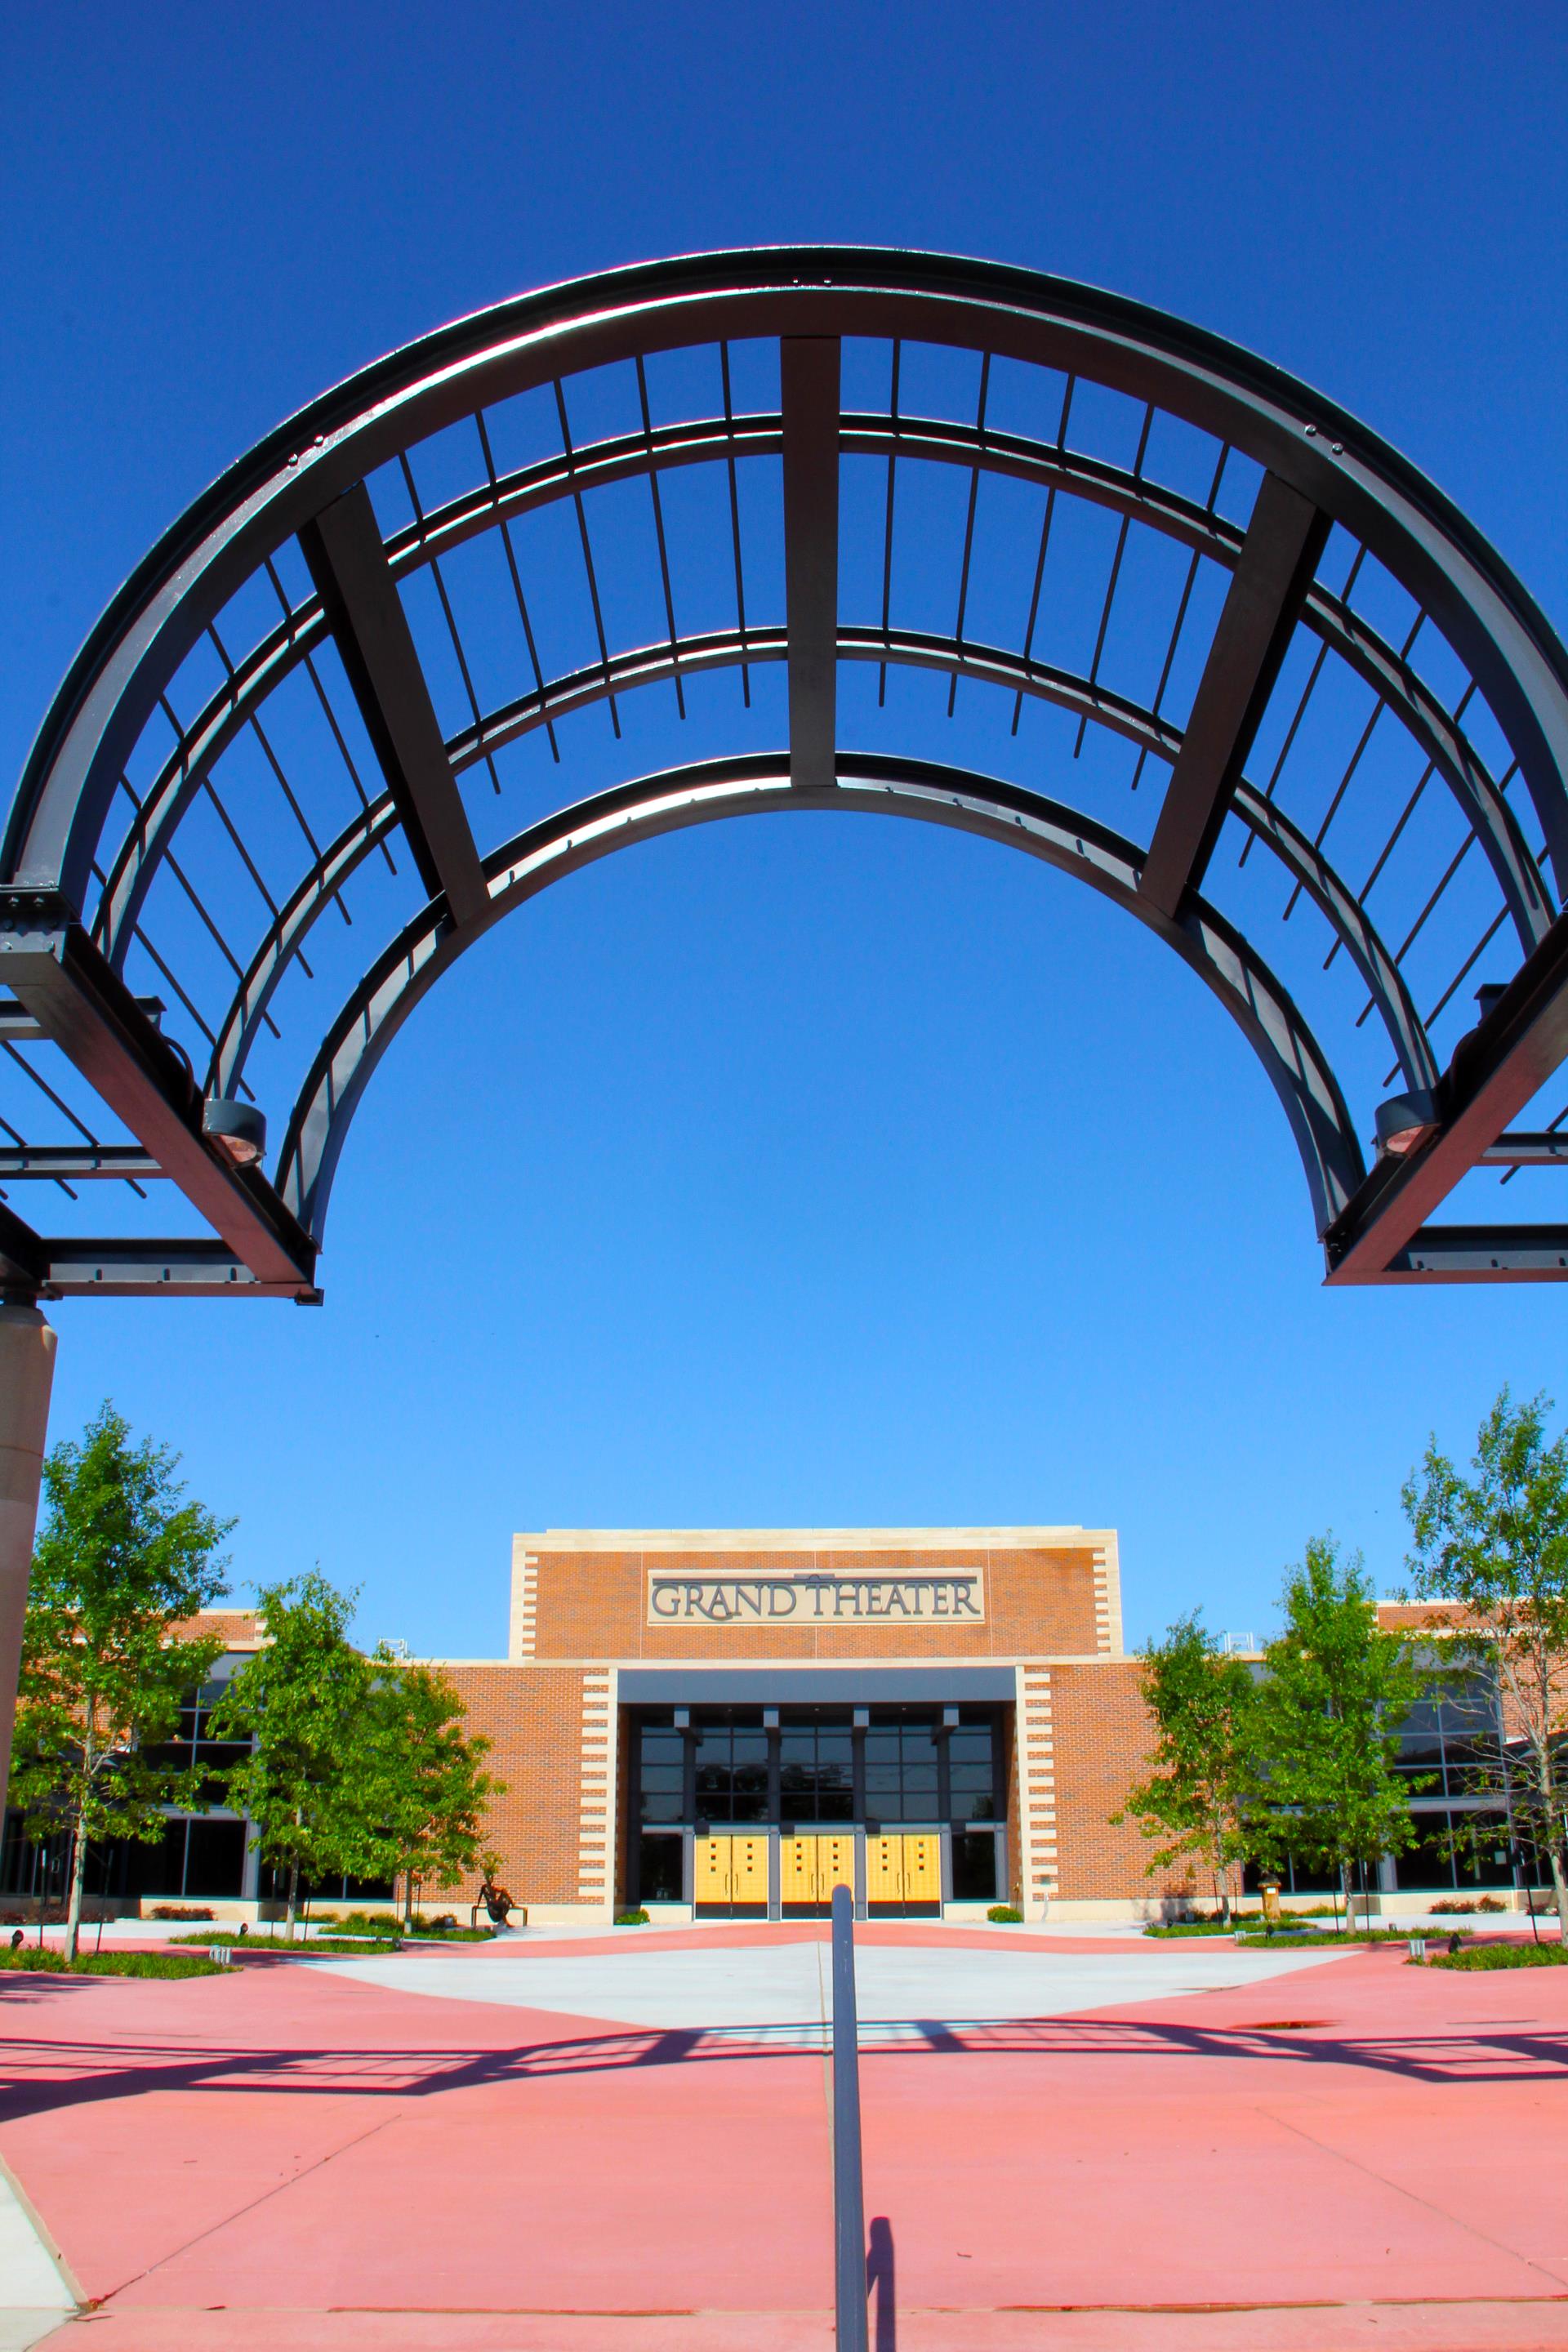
(1004, 1914)
(1325, 1938)
(446, 1928)
(631, 1918)
(1499, 1956)
(301, 1946)
(180, 1911)
(32, 1960)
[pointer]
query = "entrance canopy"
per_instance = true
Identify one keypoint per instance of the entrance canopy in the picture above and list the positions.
(763, 532)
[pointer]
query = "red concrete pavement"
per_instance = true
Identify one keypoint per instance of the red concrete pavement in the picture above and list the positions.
(1359, 2154)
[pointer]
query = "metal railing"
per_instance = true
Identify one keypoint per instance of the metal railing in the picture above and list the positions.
(849, 2191)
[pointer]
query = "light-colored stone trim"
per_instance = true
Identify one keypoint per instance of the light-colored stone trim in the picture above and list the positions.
(596, 1771)
(624, 1539)
(1037, 1787)
(1107, 1595)
(524, 1599)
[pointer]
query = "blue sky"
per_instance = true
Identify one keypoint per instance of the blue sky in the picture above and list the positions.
(840, 1172)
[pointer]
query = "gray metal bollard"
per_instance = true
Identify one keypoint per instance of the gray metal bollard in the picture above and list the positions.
(849, 2189)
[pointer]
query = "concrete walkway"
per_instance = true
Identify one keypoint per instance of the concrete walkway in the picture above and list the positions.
(783, 1988)
(1308, 2154)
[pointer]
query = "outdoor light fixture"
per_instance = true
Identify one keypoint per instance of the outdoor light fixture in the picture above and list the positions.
(238, 1130)
(1404, 1122)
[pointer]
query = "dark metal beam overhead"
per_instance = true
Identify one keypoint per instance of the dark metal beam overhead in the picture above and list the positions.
(82, 1006)
(1268, 589)
(134, 725)
(76, 1161)
(1522, 1150)
(808, 378)
(23, 1258)
(348, 563)
(1495, 1071)
(1482, 1254)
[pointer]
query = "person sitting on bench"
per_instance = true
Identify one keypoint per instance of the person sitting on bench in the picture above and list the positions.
(497, 1903)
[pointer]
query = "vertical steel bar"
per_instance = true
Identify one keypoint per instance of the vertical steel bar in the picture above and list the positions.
(849, 2189)
(27, 1375)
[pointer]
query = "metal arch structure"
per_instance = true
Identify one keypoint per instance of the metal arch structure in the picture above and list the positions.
(127, 765)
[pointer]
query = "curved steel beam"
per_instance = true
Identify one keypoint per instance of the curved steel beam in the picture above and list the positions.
(1305, 865)
(528, 489)
(286, 934)
(1023, 820)
(1283, 425)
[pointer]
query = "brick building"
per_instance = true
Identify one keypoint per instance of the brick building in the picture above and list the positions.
(726, 1722)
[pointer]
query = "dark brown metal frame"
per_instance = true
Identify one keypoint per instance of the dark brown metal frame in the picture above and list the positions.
(306, 482)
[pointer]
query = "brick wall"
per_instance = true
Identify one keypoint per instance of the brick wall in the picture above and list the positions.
(532, 1715)
(1104, 1735)
(594, 1605)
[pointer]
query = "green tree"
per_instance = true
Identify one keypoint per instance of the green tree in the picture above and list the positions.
(305, 1701)
(1497, 1544)
(430, 1786)
(1336, 1690)
(1198, 1800)
(120, 1566)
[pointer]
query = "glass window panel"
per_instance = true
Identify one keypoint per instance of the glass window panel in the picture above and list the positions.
(835, 1805)
(214, 1861)
(974, 1869)
(971, 1776)
(750, 1747)
(881, 1778)
(659, 1869)
(881, 1747)
(1430, 1860)
(919, 1744)
(921, 1776)
(662, 1775)
(1480, 1851)
(662, 1747)
(835, 1747)
(661, 1806)
(973, 1805)
(969, 1746)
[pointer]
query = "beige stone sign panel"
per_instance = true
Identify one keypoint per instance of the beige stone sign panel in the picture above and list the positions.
(922, 1596)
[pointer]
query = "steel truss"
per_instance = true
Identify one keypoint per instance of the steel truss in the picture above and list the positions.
(80, 876)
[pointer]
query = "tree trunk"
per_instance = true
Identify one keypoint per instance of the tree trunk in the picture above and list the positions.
(78, 1882)
(293, 1902)
(1559, 1887)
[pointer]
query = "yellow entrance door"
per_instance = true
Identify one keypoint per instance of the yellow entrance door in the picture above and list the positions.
(903, 1869)
(749, 1871)
(884, 1870)
(813, 1864)
(731, 1870)
(711, 1877)
(797, 1870)
(922, 1867)
(834, 1865)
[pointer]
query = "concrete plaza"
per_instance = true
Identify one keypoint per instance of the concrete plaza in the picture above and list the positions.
(1080, 2143)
